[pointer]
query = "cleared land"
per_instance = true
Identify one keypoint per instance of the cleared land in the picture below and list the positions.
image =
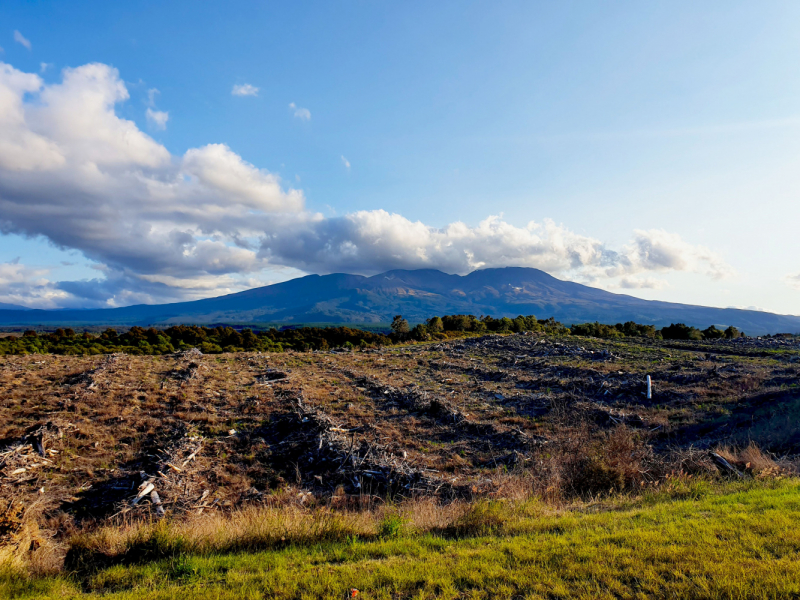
(378, 469)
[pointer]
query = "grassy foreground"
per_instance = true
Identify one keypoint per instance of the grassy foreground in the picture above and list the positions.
(739, 543)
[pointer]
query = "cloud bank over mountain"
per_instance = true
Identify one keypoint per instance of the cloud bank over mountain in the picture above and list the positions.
(162, 227)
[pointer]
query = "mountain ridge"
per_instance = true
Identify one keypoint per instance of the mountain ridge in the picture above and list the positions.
(342, 298)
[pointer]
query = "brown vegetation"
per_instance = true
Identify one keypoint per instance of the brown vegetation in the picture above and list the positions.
(251, 450)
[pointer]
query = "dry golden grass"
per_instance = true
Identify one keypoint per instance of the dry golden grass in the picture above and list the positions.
(255, 528)
(751, 459)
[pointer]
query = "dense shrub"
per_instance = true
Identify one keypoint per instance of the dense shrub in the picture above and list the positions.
(596, 330)
(679, 331)
(609, 461)
(138, 340)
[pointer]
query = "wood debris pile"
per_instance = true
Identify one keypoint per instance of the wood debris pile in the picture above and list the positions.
(187, 373)
(271, 375)
(87, 378)
(446, 412)
(329, 456)
(35, 450)
(172, 479)
(528, 346)
(23, 467)
(190, 354)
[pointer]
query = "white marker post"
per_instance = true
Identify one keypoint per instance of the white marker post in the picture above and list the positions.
(649, 388)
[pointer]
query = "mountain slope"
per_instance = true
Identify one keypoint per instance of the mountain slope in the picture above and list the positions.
(417, 295)
(6, 306)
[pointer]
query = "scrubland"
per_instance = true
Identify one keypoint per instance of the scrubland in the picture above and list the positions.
(494, 466)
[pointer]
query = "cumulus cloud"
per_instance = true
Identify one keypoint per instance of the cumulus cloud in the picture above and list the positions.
(244, 90)
(161, 227)
(21, 39)
(373, 241)
(74, 172)
(658, 250)
(301, 113)
(44, 66)
(29, 286)
(157, 118)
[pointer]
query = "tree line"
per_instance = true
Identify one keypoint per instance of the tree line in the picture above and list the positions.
(675, 331)
(440, 327)
(215, 340)
(209, 340)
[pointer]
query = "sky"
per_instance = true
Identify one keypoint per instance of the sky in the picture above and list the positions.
(155, 152)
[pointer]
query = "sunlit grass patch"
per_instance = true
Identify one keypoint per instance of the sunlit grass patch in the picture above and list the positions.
(741, 543)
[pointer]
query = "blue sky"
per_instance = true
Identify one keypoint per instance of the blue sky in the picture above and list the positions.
(654, 146)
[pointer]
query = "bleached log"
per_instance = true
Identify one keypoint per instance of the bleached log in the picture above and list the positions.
(156, 500)
(724, 466)
(145, 490)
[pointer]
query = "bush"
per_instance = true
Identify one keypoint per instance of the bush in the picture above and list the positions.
(435, 325)
(390, 527)
(731, 332)
(680, 331)
(595, 463)
(596, 330)
(399, 325)
(712, 333)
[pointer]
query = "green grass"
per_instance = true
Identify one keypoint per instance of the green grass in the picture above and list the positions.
(739, 543)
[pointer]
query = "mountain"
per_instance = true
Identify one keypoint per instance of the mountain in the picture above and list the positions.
(417, 295)
(6, 306)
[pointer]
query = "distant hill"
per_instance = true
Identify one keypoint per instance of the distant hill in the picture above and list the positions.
(417, 295)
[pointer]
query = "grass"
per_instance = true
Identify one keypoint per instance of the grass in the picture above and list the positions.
(741, 541)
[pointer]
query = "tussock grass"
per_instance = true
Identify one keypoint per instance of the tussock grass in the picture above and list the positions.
(257, 528)
(751, 459)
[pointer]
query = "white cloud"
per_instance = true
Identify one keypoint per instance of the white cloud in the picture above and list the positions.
(151, 97)
(756, 308)
(20, 39)
(659, 250)
(793, 280)
(301, 113)
(44, 67)
(29, 286)
(157, 118)
(162, 227)
(21, 147)
(373, 241)
(642, 283)
(74, 172)
(244, 90)
(346, 163)
(221, 169)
